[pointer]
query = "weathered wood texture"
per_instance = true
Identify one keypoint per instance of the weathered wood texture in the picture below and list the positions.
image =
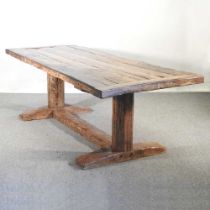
(100, 73)
(67, 115)
(37, 114)
(55, 92)
(104, 157)
(103, 75)
(90, 132)
(122, 123)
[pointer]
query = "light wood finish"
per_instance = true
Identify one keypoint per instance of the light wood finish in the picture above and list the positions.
(100, 73)
(104, 157)
(37, 114)
(55, 92)
(46, 112)
(122, 123)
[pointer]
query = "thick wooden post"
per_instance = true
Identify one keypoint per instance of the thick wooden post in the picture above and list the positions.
(55, 92)
(122, 123)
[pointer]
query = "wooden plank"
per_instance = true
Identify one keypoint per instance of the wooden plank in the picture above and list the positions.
(151, 85)
(109, 57)
(71, 57)
(90, 132)
(111, 61)
(105, 157)
(100, 73)
(122, 123)
(55, 92)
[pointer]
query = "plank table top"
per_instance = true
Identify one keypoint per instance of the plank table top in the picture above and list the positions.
(101, 73)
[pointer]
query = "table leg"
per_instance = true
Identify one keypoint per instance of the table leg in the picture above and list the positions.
(55, 92)
(55, 102)
(122, 123)
(122, 148)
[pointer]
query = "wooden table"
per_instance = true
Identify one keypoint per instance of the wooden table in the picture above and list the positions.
(102, 75)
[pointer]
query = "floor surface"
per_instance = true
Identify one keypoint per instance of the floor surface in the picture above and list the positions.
(37, 169)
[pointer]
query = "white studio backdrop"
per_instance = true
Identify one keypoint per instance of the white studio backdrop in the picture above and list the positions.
(170, 33)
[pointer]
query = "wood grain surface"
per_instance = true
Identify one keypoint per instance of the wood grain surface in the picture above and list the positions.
(122, 123)
(68, 115)
(55, 88)
(101, 73)
(85, 129)
(105, 157)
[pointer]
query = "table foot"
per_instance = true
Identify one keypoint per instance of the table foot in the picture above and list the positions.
(105, 157)
(37, 114)
(46, 112)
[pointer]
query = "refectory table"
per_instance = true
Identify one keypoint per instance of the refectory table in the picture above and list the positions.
(102, 75)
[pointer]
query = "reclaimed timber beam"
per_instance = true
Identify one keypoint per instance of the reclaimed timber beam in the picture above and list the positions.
(55, 92)
(122, 148)
(105, 157)
(90, 132)
(122, 123)
(46, 112)
(68, 116)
